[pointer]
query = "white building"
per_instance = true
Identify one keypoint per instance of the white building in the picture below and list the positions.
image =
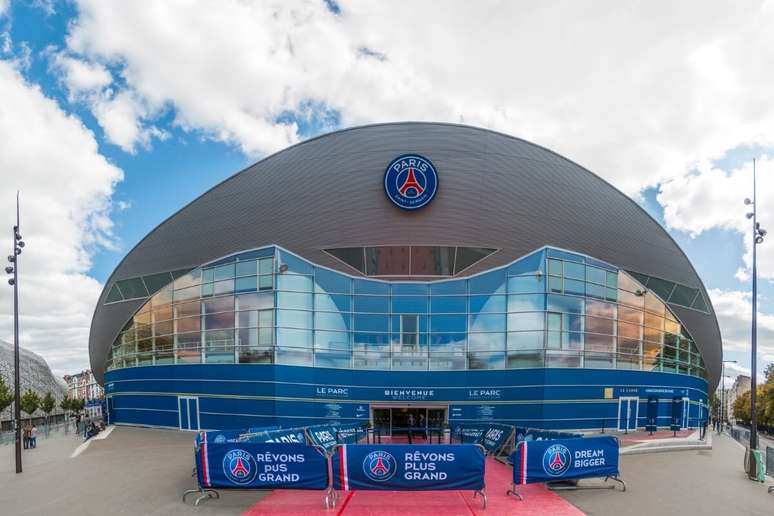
(741, 385)
(83, 386)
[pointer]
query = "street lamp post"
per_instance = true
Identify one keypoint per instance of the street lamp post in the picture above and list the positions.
(18, 244)
(758, 234)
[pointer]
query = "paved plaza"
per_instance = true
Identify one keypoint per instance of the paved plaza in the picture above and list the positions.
(144, 471)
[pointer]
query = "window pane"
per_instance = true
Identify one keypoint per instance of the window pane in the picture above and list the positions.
(526, 284)
(486, 360)
(371, 304)
(294, 300)
(487, 304)
(448, 304)
(486, 341)
(599, 325)
(595, 275)
(447, 361)
(293, 282)
(631, 315)
(564, 304)
(448, 323)
(487, 323)
(525, 340)
(525, 359)
(333, 302)
(294, 338)
(554, 267)
(331, 340)
(563, 359)
(574, 270)
(409, 304)
(255, 301)
(488, 283)
(247, 268)
(526, 321)
(555, 284)
(387, 261)
(447, 342)
(294, 319)
(293, 356)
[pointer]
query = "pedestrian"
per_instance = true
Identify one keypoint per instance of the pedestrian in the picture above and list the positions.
(26, 436)
(423, 425)
(34, 437)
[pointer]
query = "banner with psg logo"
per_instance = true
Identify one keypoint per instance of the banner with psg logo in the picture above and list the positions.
(563, 459)
(248, 465)
(395, 467)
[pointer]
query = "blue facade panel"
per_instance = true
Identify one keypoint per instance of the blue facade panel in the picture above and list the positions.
(234, 396)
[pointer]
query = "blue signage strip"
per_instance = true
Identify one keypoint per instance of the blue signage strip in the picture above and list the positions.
(260, 466)
(562, 459)
(395, 467)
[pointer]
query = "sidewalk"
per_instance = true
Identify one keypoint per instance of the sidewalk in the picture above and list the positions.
(705, 482)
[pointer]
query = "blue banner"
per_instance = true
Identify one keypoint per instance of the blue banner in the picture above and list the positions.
(396, 467)
(469, 433)
(562, 459)
(260, 466)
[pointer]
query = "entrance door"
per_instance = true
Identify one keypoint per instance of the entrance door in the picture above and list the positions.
(381, 420)
(686, 411)
(628, 411)
(188, 412)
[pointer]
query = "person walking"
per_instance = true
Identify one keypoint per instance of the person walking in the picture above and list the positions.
(26, 436)
(423, 426)
(34, 437)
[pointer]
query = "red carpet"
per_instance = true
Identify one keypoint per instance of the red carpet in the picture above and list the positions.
(538, 501)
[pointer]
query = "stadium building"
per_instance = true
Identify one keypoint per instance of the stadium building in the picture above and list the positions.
(403, 269)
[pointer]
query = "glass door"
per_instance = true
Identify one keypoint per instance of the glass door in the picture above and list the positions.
(381, 420)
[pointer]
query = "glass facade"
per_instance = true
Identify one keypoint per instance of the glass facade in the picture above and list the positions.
(551, 308)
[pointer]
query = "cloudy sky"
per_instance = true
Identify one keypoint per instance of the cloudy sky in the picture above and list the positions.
(114, 114)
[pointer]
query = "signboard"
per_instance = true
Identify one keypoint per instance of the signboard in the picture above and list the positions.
(261, 466)
(408, 468)
(563, 459)
(329, 436)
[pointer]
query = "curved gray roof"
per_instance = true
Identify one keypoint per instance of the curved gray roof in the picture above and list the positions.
(494, 191)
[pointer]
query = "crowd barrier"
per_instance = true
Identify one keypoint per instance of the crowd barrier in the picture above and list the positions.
(552, 460)
(396, 467)
(264, 465)
(278, 465)
(494, 437)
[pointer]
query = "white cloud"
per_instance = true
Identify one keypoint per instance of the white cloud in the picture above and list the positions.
(4, 6)
(66, 188)
(734, 312)
(634, 91)
(81, 76)
(713, 198)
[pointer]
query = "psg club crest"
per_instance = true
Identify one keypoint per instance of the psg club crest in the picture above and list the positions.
(379, 466)
(410, 181)
(556, 460)
(240, 467)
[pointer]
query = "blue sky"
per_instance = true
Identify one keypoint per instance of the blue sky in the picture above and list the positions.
(313, 67)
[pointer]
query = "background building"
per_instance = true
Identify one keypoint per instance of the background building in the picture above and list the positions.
(84, 386)
(34, 374)
(741, 385)
(528, 291)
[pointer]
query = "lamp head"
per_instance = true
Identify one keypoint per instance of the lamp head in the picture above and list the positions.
(750, 215)
(747, 201)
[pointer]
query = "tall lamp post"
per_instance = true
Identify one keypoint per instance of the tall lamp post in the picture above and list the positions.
(18, 243)
(758, 234)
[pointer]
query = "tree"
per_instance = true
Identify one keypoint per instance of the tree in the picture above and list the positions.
(30, 402)
(768, 373)
(6, 396)
(77, 405)
(65, 403)
(47, 404)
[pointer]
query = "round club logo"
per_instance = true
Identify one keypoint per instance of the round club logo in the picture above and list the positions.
(410, 181)
(240, 467)
(556, 460)
(379, 466)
